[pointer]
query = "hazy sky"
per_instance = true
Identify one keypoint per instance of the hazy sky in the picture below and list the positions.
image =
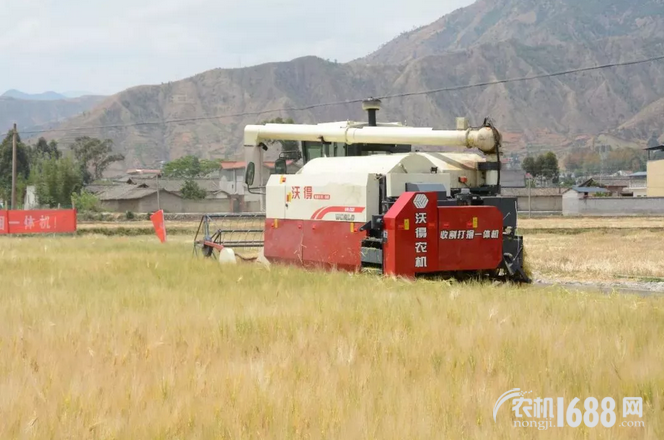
(105, 46)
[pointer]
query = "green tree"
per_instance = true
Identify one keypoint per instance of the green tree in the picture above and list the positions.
(94, 157)
(44, 149)
(22, 167)
(86, 201)
(544, 166)
(185, 167)
(189, 167)
(209, 166)
(190, 190)
(57, 180)
(531, 166)
(548, 164)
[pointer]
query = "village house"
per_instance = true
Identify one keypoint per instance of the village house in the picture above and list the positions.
(232, 175)
(655, 172)
(146, 191)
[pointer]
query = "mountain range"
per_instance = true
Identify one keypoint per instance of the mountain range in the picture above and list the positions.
(45, 96)
(30, 113)
(486, 41)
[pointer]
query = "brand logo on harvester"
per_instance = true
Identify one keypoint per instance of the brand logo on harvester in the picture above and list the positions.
(421, 201)
(551, 413)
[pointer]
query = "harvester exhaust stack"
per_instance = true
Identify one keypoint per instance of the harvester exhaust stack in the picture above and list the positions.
(371, 106)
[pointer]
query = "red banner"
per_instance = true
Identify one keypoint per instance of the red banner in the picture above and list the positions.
(38, 221)
(3, 222)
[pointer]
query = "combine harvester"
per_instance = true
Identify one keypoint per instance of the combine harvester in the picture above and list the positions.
(365, 201)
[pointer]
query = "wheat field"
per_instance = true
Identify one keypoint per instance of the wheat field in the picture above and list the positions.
(126, 338)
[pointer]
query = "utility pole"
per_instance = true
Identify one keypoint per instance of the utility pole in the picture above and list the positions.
(14, 168)
(161, 167)
(601, 163)
(530, 191)
(158, 204)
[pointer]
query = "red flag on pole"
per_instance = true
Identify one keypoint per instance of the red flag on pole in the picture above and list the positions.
(159, 226)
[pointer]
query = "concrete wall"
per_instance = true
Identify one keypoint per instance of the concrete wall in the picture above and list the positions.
(169, 203)
(613, 206)
(174, 204)
(655, 178)
(540, 203)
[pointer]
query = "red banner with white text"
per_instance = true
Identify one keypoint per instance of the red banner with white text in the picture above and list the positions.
(38, 221)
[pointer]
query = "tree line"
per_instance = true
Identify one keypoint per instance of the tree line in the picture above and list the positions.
(545, 166)
(188, 168)
(586, 162)
(58, 177)
(589, 161)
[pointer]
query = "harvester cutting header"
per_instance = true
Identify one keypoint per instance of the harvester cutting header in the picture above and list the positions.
(365, 200)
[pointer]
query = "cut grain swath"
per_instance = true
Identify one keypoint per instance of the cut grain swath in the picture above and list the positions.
(217, 232)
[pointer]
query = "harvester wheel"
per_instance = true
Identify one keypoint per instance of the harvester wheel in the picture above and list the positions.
(514, 272)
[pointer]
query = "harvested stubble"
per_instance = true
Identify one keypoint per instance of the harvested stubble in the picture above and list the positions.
(125, 338)
(590, 223)
(596, 256)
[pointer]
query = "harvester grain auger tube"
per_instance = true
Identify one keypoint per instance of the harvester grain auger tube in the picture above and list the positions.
(481, 138)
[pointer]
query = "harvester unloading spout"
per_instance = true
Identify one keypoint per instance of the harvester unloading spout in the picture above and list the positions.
(364, 200)
(483, 138)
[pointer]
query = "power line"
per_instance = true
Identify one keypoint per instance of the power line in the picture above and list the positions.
(356, 101)
(200, 118)
(524, 78)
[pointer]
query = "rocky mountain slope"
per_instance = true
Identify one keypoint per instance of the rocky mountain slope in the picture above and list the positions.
(531, 22)
(221, 92)
(486, 41)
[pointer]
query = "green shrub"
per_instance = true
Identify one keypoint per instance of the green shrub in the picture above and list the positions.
(85, 202)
